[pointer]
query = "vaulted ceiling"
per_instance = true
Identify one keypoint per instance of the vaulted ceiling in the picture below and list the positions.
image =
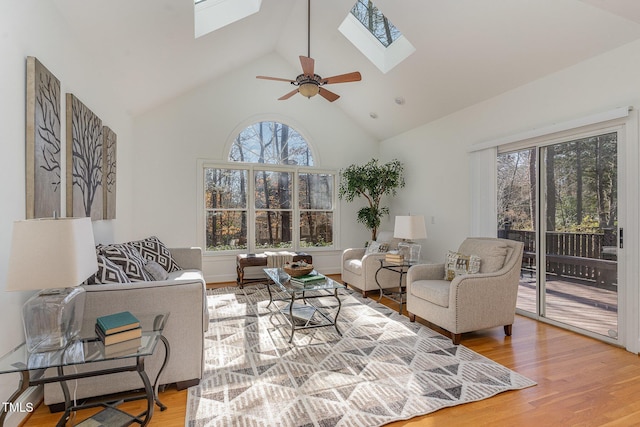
(467, 51)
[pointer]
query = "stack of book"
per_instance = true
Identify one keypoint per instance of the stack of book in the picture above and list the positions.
(306, 279)
(394, 258)
(120, 332)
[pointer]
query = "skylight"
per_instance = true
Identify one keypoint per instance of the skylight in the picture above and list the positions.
(375, 21)
(210, 15)
(375, 36)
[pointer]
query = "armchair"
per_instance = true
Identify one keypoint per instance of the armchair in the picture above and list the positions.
(469, 302)
(359, 267)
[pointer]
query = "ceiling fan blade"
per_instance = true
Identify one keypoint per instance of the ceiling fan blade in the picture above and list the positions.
(289, 95)
(328, 95)
(307, 65)
(343, 78)
(275, 78)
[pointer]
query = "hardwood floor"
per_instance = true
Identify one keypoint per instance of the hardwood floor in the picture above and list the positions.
(581, 382)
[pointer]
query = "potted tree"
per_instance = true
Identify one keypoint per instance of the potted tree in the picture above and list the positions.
(371, 181)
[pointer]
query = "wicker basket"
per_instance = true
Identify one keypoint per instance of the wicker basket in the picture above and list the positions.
(298, 271)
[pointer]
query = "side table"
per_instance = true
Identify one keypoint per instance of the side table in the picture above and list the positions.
(394, 294)
(88, 350)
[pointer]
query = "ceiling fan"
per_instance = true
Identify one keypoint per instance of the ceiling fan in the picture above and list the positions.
(308, 83)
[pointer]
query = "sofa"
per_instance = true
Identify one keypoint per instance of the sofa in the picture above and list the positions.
(475, 289)
(182, 294)
(359, 265)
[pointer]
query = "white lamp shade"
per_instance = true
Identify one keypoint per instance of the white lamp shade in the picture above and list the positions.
(410, 227)
(51, 253)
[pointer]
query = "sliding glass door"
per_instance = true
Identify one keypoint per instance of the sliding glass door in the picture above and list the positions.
(561, 200)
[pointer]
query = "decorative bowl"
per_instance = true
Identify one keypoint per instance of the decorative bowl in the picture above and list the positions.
(295, 270)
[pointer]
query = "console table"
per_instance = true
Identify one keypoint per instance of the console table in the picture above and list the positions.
(260, 260)
(88, 350)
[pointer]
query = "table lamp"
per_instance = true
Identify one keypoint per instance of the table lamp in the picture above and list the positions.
(409, 228)
(54, 255)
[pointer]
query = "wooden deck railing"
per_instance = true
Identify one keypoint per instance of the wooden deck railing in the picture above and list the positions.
(587, 256)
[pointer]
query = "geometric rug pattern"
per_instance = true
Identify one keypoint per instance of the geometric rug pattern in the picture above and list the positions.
(383, 368)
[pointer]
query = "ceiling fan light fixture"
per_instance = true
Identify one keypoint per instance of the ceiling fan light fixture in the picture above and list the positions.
(309, 89)
(308, 83)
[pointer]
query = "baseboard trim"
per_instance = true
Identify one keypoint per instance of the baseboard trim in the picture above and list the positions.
(27, 403)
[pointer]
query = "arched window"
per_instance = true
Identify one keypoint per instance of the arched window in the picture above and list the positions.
(270, 195)
(273, 143)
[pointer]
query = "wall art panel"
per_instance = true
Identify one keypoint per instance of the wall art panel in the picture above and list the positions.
(43, 144)
(109, 172)
(84, 161)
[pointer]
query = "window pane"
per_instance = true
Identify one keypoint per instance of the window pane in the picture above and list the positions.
(272, 143)
(226, 230)
(316, 229)
(374, 20)
(316, 191)
(273, 189)
(225, 188)
(273, 229)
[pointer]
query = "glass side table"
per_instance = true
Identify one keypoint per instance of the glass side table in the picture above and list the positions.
(88, 350)
(394, 294)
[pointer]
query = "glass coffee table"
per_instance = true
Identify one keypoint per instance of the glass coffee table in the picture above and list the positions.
(88, 350)
(304, 314)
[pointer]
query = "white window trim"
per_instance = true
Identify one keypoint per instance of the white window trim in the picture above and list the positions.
(252, 167)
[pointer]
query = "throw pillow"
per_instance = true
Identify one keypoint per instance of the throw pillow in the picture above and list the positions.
(152, 249)
(458, 264)
(129, 259)
(156, 271)
(109, 272)
(377, 247)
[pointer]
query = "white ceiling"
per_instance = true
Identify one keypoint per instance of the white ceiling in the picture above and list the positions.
(466, 50)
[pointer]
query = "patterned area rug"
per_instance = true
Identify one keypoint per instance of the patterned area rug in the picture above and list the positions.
(382, 369)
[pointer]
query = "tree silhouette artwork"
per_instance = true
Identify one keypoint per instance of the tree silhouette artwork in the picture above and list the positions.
(84, 161)
(43, 147)
(109, 172)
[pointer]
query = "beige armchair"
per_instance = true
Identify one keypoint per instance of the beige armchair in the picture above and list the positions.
(469, 302)
(359, 268)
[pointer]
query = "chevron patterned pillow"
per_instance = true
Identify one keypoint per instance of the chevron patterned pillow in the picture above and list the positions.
(152, 249)
(128, 259)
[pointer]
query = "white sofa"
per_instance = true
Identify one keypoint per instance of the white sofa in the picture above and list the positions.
(359, 267)
(182, 295)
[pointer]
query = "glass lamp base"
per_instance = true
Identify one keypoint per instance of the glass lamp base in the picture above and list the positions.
(411, 252)
(52, 318)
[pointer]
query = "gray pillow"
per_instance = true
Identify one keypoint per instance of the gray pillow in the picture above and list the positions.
(156, 271)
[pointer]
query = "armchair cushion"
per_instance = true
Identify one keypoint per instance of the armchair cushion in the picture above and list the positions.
(492, 253)
(353, 265)
(434, 291)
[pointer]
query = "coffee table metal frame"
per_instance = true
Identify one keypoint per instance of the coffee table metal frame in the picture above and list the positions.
(304, 311)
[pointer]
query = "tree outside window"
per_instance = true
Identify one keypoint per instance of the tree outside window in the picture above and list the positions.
(251, 206)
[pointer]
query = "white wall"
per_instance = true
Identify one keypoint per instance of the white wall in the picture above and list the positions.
(34, 28)
(437, 159)
(436, 154)
(200, 124)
